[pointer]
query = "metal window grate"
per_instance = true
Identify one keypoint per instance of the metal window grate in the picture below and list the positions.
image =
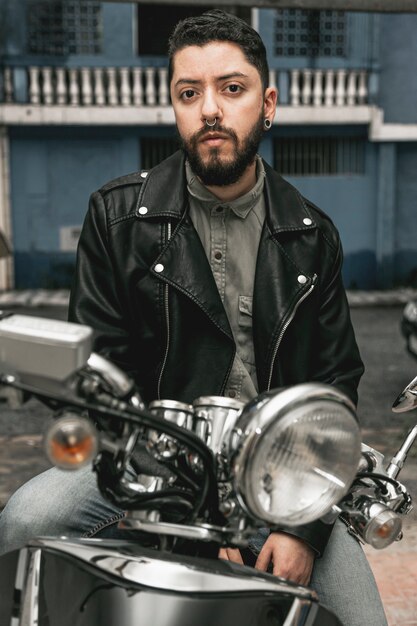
(154, 150)
(63, 27)
(156, 21)
(300, 32)
(319, 156)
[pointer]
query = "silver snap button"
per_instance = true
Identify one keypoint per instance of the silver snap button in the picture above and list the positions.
(302, 279)
(159, 268)
(307, 221)
(144, 174)
(143, 210)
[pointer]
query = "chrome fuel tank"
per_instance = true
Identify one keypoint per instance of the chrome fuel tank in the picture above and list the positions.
(57, 582)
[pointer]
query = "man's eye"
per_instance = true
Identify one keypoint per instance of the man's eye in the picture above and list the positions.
(189, 93)
(234, 88)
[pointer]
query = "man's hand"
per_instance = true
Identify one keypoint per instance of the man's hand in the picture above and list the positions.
(292, 558)
(231, 554)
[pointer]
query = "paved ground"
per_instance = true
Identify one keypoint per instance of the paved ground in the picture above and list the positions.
(395, 567)
(389, 369)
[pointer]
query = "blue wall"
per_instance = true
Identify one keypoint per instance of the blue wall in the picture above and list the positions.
(406, 215)
(398, 77)
(350, 201)
(53, 172)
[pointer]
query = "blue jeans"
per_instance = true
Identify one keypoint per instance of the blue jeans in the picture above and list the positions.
(69, 503)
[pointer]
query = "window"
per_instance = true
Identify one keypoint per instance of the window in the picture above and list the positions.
(319, 156)
(157, 21)
(154, 150)
(63, 27)
(300, 32)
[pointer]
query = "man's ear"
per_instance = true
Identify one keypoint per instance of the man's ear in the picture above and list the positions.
(270, 102)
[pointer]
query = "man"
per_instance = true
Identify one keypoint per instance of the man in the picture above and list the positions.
(212, 275)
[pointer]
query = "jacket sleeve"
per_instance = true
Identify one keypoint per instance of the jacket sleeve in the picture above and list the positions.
(95, 298)
(337, 358)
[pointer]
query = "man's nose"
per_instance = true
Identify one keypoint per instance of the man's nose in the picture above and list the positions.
(210, 107)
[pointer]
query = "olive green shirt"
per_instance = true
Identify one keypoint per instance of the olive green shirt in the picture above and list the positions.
(230, 233)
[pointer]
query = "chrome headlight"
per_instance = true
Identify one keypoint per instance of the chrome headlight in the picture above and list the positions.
(297, 453)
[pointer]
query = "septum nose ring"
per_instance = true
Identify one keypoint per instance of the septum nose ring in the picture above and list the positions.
(213, 124)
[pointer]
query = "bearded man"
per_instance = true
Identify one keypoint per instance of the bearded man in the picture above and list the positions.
(211, 275)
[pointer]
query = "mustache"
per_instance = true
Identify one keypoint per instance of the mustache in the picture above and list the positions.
(217, 128)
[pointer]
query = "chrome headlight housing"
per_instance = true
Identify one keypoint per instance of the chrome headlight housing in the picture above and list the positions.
(297, 453)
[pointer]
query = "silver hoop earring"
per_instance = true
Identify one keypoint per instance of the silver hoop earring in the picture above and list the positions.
(267, 123)
(213, 124)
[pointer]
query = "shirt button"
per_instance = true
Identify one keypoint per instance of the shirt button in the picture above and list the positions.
(302, 279)
(232, 393)
(143, 210)
(307, 221)
(219, 209)
(159, 268)
(144, 174)
(218, 256)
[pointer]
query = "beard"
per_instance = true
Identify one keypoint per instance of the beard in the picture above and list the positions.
(218, 172)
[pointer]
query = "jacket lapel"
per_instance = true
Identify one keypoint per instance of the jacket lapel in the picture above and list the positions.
(280, 279)
(186, 268)
(184, 261)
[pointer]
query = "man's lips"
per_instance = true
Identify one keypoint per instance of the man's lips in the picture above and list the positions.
(213, 138)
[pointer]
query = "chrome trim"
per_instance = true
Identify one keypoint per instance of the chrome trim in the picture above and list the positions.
(218, 401)
(398, 460)
(214, 420)
(300, 612)
(407, 400)
(170, 404)
(119, 382)
(284, 328)
(201, 533)
(162, 573)
(179, 413)
(30, 599)
(21, 570)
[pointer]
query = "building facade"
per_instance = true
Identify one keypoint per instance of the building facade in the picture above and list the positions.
(84, 98)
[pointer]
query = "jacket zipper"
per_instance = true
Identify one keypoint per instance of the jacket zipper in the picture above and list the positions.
(284, 328)
(166, 309)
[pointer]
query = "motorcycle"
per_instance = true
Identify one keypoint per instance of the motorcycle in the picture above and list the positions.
(192, 479)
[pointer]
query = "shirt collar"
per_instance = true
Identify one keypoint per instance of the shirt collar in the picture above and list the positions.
(240, 206)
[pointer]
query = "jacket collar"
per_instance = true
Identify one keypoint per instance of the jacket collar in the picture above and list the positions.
(164, 192)
(290, 212)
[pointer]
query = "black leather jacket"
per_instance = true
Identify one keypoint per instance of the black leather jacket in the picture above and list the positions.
(144, 283)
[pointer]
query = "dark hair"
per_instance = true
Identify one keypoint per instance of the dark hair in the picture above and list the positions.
(216, 25)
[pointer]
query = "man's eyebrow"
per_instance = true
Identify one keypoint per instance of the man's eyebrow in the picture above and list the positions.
(192, 81)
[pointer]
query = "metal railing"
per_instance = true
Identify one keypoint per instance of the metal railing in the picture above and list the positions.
(148, 86)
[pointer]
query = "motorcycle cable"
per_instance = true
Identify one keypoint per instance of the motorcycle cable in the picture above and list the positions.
(376, 477)
(207, 497)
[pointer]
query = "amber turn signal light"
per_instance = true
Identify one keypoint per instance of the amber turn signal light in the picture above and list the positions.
(71, 442)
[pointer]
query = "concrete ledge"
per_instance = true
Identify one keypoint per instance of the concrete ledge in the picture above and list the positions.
(34, 298)
(389, 297)
(60, 298)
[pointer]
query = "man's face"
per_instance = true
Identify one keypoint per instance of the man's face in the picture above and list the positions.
(215, 81)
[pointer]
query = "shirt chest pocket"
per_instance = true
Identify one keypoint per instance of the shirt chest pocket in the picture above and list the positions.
(245, 311)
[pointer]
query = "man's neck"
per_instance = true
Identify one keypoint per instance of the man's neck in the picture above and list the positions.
(228, 193)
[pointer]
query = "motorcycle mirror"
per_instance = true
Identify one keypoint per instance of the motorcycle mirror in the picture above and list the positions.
(407, 400)
(5, 248)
